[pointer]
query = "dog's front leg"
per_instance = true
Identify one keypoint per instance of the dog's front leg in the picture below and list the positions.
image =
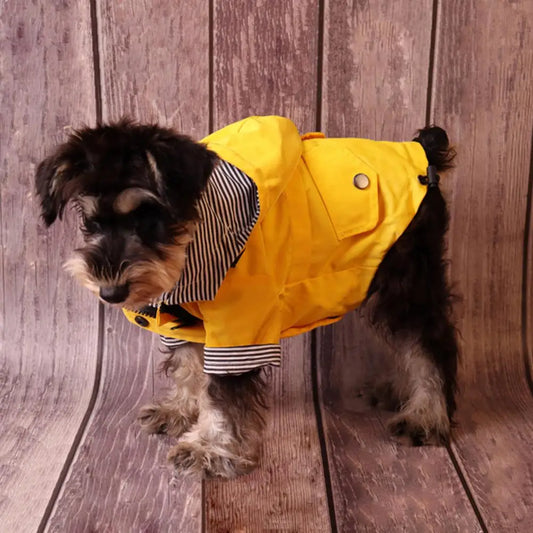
(226, 439)
(176, 413)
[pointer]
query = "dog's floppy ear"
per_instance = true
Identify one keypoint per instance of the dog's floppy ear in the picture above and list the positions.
(183, 168)
(56, 180)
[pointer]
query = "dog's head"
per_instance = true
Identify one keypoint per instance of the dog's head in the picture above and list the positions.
(136, 188)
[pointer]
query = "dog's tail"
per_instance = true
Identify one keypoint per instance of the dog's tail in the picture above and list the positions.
(435, 142)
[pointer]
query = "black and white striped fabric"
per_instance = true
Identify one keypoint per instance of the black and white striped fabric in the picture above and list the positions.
(239, 359)
(234, 359)
(229, 209)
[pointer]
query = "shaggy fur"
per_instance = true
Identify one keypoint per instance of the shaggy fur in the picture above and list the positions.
(136, 188)
(409, 301)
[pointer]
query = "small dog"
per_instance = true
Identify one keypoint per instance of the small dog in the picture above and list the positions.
(257, 233)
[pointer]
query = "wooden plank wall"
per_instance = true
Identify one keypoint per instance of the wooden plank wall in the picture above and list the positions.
(379, 94)
(48, 327)
(483, 95)
(272, 52)
(119, 480)
(73, 375)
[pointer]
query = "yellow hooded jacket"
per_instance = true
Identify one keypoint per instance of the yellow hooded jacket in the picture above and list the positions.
(330, 208)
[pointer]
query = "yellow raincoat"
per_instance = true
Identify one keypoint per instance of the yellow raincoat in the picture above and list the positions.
(329, 211)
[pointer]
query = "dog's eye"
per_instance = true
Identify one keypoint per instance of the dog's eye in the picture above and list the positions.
(149, 228)
(147, 222)
(91, 226)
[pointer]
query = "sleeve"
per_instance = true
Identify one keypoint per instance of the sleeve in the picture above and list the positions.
(171, 342)
(239, 359)
(242, 326)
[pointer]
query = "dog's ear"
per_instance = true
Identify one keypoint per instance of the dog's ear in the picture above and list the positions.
(183, 167)
(56, 180)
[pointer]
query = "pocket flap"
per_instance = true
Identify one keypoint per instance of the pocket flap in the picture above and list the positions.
(348, 187)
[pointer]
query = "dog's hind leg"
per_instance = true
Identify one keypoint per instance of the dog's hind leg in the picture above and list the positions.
(424, 417)
(409, 304)
(176, 413)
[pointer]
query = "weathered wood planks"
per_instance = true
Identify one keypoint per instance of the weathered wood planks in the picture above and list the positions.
(286, 492)
(375, 85)
(154, 65)
(379, 485)
(482, 92)
(120, 479)
(265, 63)
(48, 330)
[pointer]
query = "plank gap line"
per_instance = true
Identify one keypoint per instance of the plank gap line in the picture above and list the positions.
(431, 62)
(83, 426)
(320, 65)
(525, 264)
(321, 432)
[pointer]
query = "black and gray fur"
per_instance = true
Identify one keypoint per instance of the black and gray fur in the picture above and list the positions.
(410, 303)
(136, 188)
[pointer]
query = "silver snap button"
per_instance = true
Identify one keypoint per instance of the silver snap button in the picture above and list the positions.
(361, 181)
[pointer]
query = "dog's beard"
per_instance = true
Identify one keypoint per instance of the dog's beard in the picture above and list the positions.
(147, 278)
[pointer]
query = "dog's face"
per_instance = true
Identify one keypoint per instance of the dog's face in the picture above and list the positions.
(135, 188)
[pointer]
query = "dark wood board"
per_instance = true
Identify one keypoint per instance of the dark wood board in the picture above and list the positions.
(483, 95)
(376, 68)
(265, 63)
(120, 479)
(48, 329)
(265, 60)
(375, 85)
(286, 492)
(154, 64)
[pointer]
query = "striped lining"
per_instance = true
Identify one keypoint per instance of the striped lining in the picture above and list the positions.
(239, 359)
(229, 209)
(171, 342)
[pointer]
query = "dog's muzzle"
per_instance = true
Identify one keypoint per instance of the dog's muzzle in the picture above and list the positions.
(115, 295)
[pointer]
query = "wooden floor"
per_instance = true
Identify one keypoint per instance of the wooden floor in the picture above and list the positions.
(73, 374)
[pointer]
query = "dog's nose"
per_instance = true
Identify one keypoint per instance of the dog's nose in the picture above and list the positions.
(114, 295)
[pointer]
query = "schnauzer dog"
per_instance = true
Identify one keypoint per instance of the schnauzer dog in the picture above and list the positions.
(224, 246)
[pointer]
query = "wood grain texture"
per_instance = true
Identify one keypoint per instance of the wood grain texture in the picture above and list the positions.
(265, 63)
(265, 60)
(120, 479)
(376, 64)
(154, 64)
(484, 96)
(48, 330)
(375, 86)
(286, 492)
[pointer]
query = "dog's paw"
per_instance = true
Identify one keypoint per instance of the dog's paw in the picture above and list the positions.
(408, 429)
(194, 458)
(155, 418)
(151, 419)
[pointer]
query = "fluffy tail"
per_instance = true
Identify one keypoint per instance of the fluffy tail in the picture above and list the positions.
(437, 147)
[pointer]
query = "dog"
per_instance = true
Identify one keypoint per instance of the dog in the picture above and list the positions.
(224, 246)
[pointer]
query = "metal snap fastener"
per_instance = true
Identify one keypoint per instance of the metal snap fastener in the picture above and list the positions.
(361, 181)
(141, 321)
